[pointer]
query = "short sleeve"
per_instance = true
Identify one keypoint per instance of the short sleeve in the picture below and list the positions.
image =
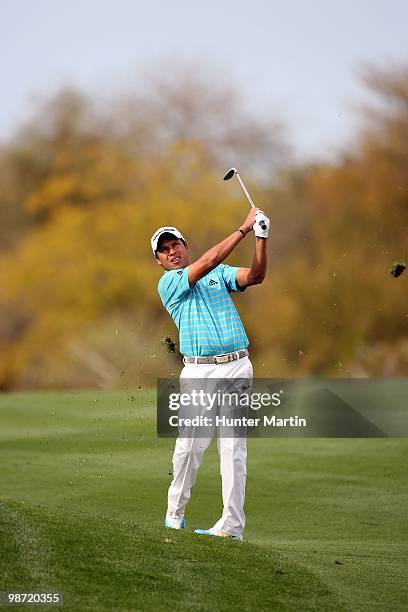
(173, 287)
(229, 275)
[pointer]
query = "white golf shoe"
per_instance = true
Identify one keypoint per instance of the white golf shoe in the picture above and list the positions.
(172, 521)
(218, 534)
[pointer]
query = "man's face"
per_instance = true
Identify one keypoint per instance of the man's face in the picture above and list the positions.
(172, 254)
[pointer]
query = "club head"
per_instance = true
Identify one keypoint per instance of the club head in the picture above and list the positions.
(230, 174)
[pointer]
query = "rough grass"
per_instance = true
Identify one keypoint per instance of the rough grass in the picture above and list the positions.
(101, 563)
(83, 483)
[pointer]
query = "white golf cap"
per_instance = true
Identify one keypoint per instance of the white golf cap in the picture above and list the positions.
(164, 230)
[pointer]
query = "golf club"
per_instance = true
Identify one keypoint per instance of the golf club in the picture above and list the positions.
(229, 175)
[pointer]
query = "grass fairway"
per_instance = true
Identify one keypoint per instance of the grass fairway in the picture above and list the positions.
(83, 494)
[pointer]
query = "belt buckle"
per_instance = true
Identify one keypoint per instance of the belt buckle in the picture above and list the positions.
(222, 359)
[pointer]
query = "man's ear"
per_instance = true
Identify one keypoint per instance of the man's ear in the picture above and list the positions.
(158, 261)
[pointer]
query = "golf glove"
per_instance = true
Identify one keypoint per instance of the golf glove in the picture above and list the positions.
(258, 231)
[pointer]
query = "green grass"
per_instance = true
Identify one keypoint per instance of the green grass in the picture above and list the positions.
(110, 564)
(83, 492)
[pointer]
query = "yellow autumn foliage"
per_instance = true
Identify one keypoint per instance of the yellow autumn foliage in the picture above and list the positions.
(78, 298)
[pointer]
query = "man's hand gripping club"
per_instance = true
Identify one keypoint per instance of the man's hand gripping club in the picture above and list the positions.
(255, 219)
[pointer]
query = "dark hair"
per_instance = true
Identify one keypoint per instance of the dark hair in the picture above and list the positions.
(168, 236)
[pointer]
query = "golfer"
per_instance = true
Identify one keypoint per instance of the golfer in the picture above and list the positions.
(214, 344)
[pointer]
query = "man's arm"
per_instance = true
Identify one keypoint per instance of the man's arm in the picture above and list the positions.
(216, 255)
(256, 273)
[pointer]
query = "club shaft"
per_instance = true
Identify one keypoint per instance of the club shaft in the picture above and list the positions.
(245, 190)
(229, 175)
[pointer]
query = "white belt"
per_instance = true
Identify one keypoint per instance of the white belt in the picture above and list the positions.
(217, 359)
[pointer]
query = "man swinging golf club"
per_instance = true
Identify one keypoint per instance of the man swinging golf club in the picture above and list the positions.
(214, 344)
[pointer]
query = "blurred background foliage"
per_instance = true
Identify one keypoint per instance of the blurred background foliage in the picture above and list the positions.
(84, 186)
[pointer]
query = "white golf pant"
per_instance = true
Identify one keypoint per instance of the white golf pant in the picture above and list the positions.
(189, 451)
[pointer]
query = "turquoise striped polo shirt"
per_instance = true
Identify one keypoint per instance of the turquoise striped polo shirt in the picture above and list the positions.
(205, 315)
